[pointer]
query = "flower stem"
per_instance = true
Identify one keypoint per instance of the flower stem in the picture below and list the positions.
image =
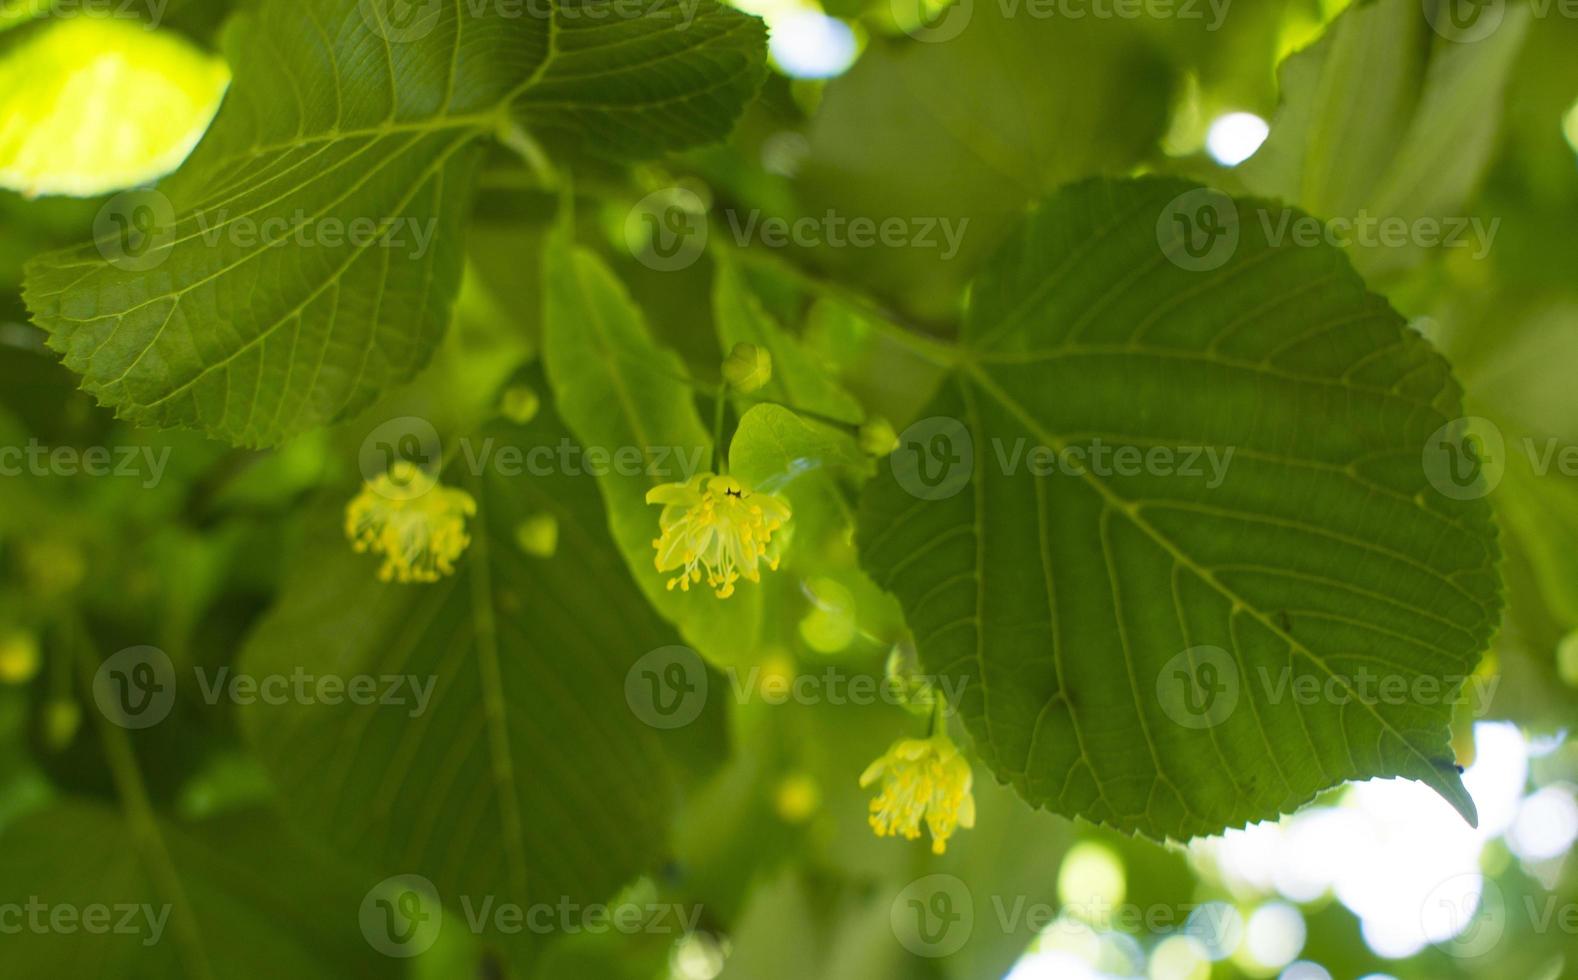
(719, 457)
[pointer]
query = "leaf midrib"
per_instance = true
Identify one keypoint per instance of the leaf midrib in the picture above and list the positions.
(1114, 501)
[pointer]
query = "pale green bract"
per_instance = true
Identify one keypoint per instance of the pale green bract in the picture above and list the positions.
(1082, 610)
(305, 258)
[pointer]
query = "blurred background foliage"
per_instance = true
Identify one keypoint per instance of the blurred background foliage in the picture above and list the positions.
(771, 840)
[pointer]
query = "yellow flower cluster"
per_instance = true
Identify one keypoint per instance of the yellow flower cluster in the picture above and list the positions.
(418, 525)
(922, 778)
(715, 524)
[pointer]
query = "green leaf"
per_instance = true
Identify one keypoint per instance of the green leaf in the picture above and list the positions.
(212, 898)
(307, 255)
(1079, 608)
(676, 75)
(527, 775)
(1387, 118)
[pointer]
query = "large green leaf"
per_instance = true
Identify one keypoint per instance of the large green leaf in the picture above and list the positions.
(306, 256)
(1084, 609)
(1386, 118)
(526, 775)
(212, 898)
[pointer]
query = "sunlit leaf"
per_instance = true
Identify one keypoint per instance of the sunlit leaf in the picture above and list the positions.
(94, 105)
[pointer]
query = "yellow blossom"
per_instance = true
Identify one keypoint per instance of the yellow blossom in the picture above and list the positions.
(716, 524)
(922, 778)
(417, 524)
(19, 657)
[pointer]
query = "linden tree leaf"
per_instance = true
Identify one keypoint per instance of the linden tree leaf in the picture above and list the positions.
(1138, 629)
(675, 75)
(307, 255)
(204, 898)
(524, 771)
(1388, 117)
